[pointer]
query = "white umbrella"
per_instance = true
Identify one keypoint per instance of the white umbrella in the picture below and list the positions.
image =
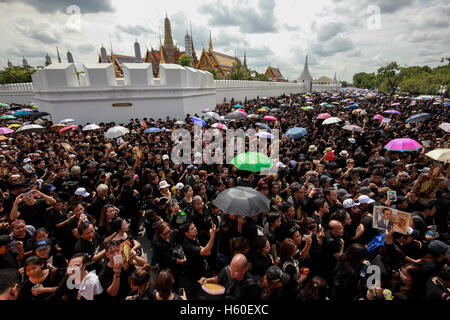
(445, 126)
(442, 154)
(29, 127)
(67, 120)
(116, 132)
(179, 122)
(352, 127)
(91, 126)
(39, 121)
(331, 120)
(264, 134)
(253, 116)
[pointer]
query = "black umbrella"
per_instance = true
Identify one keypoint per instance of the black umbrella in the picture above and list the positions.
(38, 115)
(243, 201)
(234, 115)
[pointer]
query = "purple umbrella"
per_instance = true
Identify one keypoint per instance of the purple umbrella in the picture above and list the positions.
(403, 144)
(392, 111)
(6, 131)
(395, 104)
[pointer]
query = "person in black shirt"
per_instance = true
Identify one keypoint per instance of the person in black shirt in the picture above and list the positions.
(128, 203)
(32, 210)
(194, 268)
(10, 280)
(7, 259)
(140, 284)
(200, 217)
(90, 244)
(273, 282)
(333, 246)
(261, 259)
(114, 275)
(238, 282)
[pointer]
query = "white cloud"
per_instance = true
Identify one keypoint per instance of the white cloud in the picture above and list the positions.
(334, 33)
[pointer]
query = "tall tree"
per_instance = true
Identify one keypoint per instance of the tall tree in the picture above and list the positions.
(16, 74)
(390, 76)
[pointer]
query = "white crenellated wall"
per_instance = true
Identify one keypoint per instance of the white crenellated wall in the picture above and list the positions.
(98, 96)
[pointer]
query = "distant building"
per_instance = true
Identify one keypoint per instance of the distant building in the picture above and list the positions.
(323, 81)
(220, 62)
(274, 74)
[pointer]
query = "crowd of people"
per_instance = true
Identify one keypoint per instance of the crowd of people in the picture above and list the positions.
(78, 210)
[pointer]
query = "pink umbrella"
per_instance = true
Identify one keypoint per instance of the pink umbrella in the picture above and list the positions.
(270, 118)
(403, 144)
(395, 104)
(243, 112)
(219, 126)
(71, 127)
(26, 109)
(323, 116)
(378, 117)
(6, 131)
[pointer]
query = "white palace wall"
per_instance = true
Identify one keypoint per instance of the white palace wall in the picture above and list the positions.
(97, 96)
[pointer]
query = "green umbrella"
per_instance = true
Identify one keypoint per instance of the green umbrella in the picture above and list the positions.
(307, 108)
(7, 117)
(267, 108)
(252, 161)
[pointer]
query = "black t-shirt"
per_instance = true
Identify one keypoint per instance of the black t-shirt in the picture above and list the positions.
(106, 277)
(246, 289)
(53, 280)
(91, 248)
(435, 290)
(260, 264)
(36, 215)
(331, 246)
(194, 267)
(8, 260)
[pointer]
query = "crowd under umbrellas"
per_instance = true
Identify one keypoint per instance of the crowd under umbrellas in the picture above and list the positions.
(341, 152)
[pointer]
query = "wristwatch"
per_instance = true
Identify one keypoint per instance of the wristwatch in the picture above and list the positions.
(116, 276)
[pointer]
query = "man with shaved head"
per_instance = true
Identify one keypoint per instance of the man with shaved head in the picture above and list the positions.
(238, 282)
(333, 246)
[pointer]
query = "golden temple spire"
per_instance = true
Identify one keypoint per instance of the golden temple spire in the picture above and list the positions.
(161, 60)
(113, 60)
(210, 41)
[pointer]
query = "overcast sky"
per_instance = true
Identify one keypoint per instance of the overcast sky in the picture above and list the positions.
(342, 36)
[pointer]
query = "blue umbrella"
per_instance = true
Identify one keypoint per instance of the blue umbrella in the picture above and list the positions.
(22, 113)
(296, 132)
(263, 125)
(152, 130)
(352, 105)
(446, 104)
(198, 121)
(237, 106)
(418, 118)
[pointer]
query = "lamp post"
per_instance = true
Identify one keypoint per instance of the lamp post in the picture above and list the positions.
(445, 78)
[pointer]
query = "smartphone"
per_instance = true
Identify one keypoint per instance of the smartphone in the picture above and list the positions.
(118, 259)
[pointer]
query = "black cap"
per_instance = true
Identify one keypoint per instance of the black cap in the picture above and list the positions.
(275, 274)
(5, 240)
(44, 243)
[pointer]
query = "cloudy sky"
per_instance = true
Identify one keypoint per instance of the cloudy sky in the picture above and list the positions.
(342, 36)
